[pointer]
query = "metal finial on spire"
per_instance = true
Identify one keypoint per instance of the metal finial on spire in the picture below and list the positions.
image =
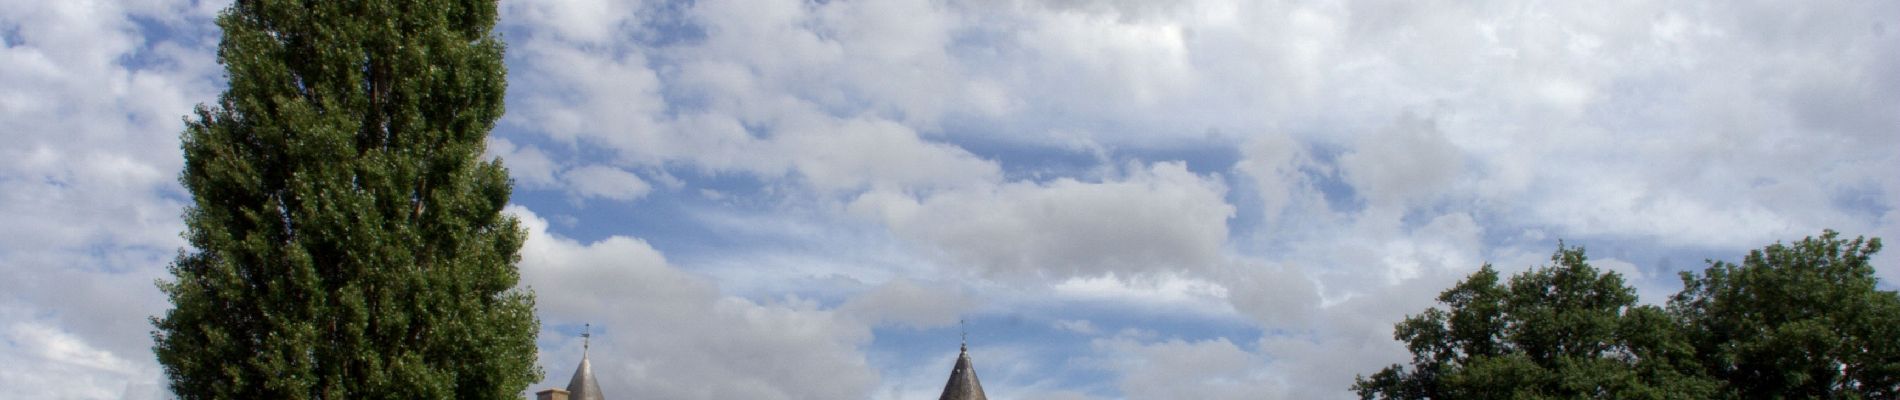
(964, 328)
(583, 386)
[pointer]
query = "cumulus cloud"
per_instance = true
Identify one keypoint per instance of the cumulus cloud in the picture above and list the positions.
(604, 182)
(52, 360)
(663, 332)
(1275, 296)
(1276, 164)
(1178, 369)
(1158, 294)
(1316, 169)
(853, 154)
(584, 21)
(909, 303)
(95, 91)
(766, 75)
(1159, 217)
(528, 165)
(1407, 162)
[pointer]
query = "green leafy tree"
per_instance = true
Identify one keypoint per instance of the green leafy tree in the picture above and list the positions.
(346, 237)
(1796, 321)
(1565, 330)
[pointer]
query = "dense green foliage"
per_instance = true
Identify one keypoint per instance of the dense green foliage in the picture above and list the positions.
(347, 238)
(1800, 321)
(1566, 330)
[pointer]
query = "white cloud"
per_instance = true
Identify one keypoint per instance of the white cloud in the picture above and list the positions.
(1178, 369)
(1314, 350)
(528, 165)
(1157, 218)
(1651, 287)
(1274, 162)
(855, 154)
(665, 333)
(597, 181)
(1122, 61)
(574, 93)
(45, 360)
(1077, 326)
(87, 187)
(583, 21)
(1407, 162)
(908, 303)
(1275, 296)
(757, 52)
(1160, 294)
(1709, 128)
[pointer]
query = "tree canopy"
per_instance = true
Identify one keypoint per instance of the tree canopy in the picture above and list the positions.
(1792, 321)
(1803, 320)
(1564, 330)
(1797, 320)
(346, 238)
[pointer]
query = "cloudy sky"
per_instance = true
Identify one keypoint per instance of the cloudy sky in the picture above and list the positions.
(794, 199)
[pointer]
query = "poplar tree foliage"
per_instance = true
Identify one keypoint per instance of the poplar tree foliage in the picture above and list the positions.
(346, 238)
(1804, 320)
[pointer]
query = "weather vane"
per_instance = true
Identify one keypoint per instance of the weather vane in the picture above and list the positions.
(586, 333)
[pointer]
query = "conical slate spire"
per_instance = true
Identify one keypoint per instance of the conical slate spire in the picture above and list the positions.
(583, 387)
(963, 384)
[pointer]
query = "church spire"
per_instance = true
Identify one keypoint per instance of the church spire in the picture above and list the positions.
(583, 386)
(963, 384)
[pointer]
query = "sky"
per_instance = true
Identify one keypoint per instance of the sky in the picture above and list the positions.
(802, 199)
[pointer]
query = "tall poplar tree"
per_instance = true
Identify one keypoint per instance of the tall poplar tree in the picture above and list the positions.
(347, 240)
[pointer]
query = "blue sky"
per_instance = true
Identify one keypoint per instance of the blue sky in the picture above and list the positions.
(1197, 199)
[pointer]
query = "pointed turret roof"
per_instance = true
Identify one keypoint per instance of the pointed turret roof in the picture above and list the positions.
(963, 384)
(583, 387)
